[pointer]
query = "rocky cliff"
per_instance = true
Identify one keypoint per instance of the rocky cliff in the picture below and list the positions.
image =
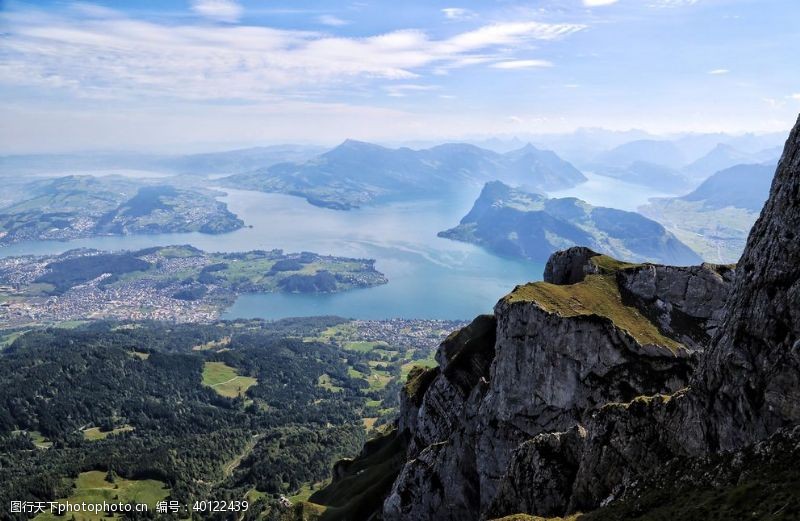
(598, 331)
(629, 391)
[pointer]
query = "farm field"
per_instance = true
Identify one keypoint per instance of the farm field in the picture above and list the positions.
(92, 487)
(225, 380)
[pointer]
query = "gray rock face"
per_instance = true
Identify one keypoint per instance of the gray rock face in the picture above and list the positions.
(751, 375)
(505, 380)
(540, 475)
(687, 303)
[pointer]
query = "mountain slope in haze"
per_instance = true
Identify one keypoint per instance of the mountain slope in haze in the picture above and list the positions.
(85, 206)
(660, 152)
(357, 173)
(225, 162)
(719, 158)
(512, 222)
(648, 174)
(716, 217)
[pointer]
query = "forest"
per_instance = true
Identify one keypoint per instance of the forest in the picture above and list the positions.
(137, 401)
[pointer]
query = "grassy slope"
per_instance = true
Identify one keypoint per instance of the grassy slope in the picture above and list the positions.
(225, 380)
(92, 487)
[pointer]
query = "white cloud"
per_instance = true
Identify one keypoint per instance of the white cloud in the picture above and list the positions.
(402, 90)
(515, 119)
(115, 56)
(774, 103)
(458, 13)
(598, 3)
(719, 72)
(795, 96)
(222, 10)
(330, 20)
(673, 3)
(521, 64)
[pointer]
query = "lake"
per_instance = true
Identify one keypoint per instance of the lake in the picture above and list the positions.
(429, 277)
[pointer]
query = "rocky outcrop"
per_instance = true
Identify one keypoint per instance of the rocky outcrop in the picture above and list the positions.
(542, 363)
(686, 303)
(570, 266)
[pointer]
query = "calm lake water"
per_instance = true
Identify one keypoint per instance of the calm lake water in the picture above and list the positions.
(429, 277)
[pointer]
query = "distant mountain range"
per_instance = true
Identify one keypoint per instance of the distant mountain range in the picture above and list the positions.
(716, 217)
(357, 173)
(663, 165)
(227, 162)
(664, 153)
(516, 223)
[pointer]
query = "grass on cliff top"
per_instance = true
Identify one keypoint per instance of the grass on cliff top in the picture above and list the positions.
(595, 295)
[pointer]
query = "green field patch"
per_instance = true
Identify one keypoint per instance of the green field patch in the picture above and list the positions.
(225, 380)
(35, 289)
(8, 339)
(94, 433)
(305, 492)
(426, 363)
(378, 380)
(38, 439)
(212, 345)
(92, 487)
(337, 334)
(352, 373)
(325, 382)
(178, 252)
(363, 347)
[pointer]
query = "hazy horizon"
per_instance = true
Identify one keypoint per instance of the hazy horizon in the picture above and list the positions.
(220, 74)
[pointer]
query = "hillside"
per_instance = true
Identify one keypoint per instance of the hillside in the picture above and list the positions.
(357, 173)
(516, 223)
(617, 391)
(85, 206)
(716, 217)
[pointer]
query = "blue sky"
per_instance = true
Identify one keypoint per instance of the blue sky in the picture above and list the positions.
(176, 74)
